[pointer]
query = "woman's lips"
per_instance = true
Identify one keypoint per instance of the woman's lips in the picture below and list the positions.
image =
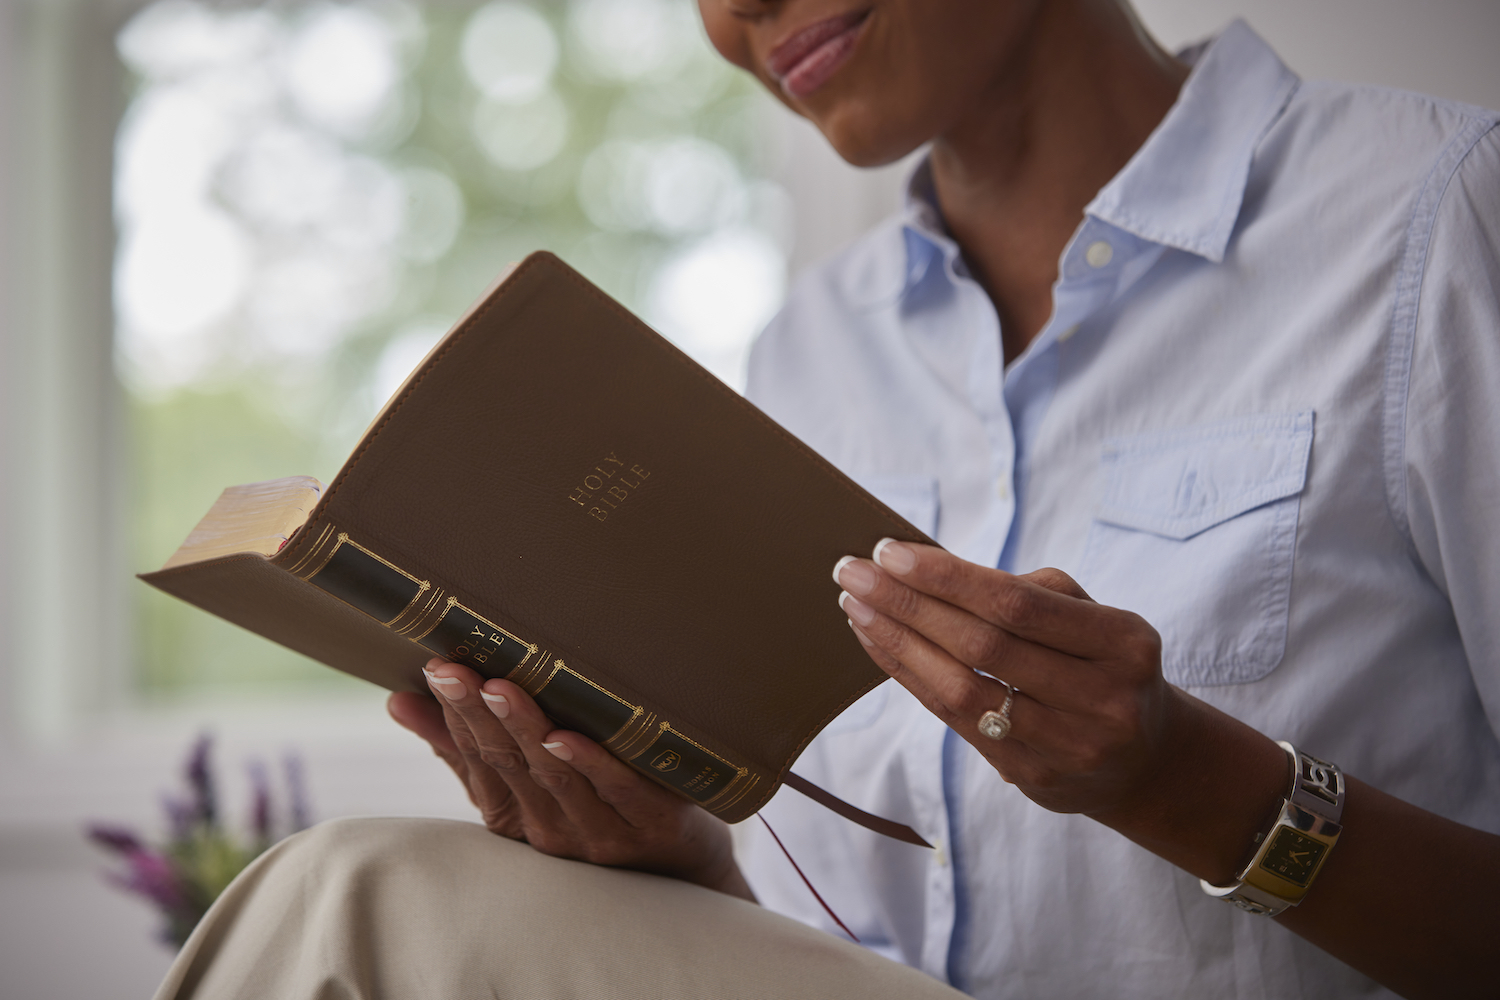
(805, 61)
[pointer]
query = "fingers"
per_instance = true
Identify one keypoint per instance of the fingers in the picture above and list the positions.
(498, 805)
(547, 770)
(572, 796)
(424, 717)
(1046, 607)
(1087, 723)
(639, 802)
(913, 627)
(564, 794)
(517, 804)
(958, 695)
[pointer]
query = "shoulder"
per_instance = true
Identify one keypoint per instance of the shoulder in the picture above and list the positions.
(1444, 335)
(1366, 144)
(1354, 106)
(1451, 266)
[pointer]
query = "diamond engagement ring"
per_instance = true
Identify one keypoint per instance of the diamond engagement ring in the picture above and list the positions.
(996, 725)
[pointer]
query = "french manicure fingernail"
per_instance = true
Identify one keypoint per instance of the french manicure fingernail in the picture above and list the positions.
(857, 610)
(894, 556)
(854, 575)
(858, 633)
(559, 750)
(838, 568)
(449, 687)
(497, 702)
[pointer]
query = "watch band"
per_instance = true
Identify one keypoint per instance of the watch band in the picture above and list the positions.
(1292, 853)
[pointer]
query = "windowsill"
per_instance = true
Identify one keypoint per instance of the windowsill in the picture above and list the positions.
(356, 761)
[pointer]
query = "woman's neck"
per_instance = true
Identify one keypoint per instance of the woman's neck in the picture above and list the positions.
(1080, 95)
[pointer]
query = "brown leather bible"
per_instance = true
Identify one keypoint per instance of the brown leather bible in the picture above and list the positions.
(560, 497)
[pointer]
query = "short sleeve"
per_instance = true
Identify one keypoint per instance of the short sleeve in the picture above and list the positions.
(1451, 457)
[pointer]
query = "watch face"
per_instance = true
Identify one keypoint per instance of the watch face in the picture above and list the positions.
(1293, 856)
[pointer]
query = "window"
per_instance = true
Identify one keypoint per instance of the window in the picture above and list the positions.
(236, 227)
(307, 197)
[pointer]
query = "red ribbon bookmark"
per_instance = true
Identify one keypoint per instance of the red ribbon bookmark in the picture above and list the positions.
(826, 908)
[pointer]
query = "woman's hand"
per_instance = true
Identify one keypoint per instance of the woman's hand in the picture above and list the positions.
(1095, 727)
(560, 791)
(1096, 730)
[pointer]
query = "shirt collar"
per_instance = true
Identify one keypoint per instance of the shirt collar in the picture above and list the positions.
(1183, 188)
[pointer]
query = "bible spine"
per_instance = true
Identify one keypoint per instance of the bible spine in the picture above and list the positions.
(573, 696)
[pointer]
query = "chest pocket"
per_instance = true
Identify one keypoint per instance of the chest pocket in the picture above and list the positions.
(1196, 533)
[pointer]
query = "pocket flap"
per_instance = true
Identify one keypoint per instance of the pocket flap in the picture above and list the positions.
(1180, 482)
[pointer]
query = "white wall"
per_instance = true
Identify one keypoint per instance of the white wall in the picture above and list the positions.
(1450, 48)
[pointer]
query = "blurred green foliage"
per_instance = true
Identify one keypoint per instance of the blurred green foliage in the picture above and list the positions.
(302, 417)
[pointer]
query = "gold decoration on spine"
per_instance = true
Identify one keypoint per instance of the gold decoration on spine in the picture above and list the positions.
(558, 666)
(422, 585)
(311, 552)
(425, 613)
(715, 806)
(628, 732)
(419, 617)
(427, 626)
(666, 727)
(637, 735)
(528, 674)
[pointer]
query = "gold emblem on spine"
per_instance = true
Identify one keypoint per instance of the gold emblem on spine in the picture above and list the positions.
(667, 727)
(665, 761)
(735, 790)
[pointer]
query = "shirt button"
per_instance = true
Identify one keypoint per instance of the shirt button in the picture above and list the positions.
(1067, 335)
(1099, 254)
(1002, 490)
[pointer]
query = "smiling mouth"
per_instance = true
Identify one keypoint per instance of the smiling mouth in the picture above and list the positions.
(803, 62)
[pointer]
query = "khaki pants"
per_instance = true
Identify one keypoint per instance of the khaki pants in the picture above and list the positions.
(440, 910)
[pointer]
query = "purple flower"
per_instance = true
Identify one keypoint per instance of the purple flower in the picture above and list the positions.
(296, 792)
(260, 804)
(181, 816)
(115, 838)
(184, 875)
(152, 875)
(200, 779)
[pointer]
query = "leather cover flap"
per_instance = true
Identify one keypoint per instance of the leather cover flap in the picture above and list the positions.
(612, 515)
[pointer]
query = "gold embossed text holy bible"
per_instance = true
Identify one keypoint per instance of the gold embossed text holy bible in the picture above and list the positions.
(560, 497)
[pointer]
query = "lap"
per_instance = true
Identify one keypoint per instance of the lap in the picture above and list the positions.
(411, 907)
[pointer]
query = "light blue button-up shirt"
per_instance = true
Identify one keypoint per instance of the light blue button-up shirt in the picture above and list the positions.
(1265, 415)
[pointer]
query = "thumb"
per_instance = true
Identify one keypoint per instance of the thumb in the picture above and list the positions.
(423, 716)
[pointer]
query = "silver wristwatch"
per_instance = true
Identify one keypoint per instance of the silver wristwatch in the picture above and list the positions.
(1292, 853)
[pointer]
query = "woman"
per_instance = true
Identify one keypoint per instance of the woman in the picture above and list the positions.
(1214, 341)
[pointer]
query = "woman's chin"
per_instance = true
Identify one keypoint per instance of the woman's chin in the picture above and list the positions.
(868, 139)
